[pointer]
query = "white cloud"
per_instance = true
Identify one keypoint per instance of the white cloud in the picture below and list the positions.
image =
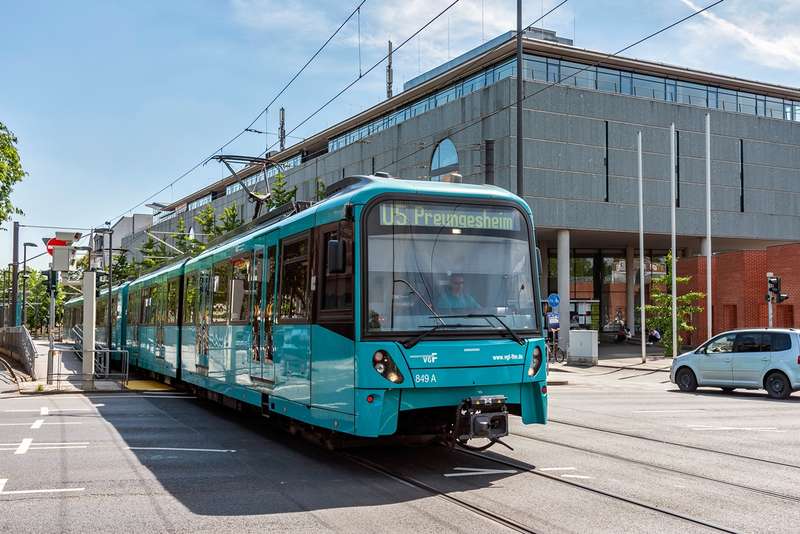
(290, 19)
(759, 32)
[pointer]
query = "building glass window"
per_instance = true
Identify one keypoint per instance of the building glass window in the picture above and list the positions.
(444, 163)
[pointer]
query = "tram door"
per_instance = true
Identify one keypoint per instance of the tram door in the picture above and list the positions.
(262, 366)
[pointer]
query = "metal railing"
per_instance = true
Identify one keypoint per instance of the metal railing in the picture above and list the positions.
(17, 342)
(106, 368)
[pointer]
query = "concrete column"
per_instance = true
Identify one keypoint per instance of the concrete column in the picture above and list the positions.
(89, 301)
(563, 288)
(630, 288)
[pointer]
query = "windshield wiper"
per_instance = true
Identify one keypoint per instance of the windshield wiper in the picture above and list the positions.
(413, 290)
(409, 343)
(486, 316)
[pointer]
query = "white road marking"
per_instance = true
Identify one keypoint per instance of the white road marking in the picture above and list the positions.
(556, 469)
(666, 411)
(744, 428)
(55, 423)
(178, 449)
(473, 471)
(23, 446)
(37, 424)
(582, 477)
(3, 482)
(46, 411)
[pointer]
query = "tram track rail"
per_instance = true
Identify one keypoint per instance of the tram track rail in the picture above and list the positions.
(413, 482)
(775, 494)
(527, 469)
(674, 443)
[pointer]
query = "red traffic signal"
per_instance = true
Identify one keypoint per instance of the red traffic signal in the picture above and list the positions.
(53, 242)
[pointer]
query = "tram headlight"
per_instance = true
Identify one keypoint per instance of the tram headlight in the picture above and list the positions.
(385, 366)
(536, 361)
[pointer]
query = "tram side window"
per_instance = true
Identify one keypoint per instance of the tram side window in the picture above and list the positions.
(270, 300)
(190, 299)
(157, 304)
(294, 280)
(172, 302)
(100, 311)
(221, 275)
(133, 307)
(337, 288)
(147, 306)
(240, 290)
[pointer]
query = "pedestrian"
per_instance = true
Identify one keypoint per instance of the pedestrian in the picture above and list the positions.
(654, 336)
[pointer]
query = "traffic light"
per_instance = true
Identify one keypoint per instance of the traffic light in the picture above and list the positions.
(52, 280)
(774, 287)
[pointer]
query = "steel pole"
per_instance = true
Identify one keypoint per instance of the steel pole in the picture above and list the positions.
(15, 275)
(673, 245)
(641, 248)
(520, 86)
(110, 284)
(24, 280)
(709, 299)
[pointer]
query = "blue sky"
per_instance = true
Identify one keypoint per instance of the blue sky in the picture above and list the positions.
(113, 100)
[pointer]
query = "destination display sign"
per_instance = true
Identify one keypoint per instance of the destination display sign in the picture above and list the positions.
(440, 215)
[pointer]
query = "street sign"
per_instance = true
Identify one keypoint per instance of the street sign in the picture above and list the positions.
(553, 300)
(54, 242)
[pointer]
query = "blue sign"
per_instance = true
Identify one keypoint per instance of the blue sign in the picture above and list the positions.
(553, 300)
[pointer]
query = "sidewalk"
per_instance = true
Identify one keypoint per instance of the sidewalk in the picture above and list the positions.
(67, 373)
(629, 356)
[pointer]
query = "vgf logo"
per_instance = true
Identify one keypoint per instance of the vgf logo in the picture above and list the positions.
(430, 358)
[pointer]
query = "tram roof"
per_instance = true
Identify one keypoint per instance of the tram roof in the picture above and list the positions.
(360, 190)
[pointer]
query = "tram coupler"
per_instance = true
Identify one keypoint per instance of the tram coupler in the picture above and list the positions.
(482, 417)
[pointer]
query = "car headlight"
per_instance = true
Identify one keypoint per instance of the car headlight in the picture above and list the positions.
(385, 366)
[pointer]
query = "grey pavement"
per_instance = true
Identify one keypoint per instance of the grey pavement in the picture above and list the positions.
(624, 451)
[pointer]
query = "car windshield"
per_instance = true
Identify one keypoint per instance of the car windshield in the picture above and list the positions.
(459, 267)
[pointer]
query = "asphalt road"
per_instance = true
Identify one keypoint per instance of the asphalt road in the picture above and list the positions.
(625, 452)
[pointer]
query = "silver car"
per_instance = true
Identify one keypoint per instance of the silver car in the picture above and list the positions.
(748, 359)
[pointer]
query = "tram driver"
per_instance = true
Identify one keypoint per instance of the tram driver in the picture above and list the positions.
(455, 298)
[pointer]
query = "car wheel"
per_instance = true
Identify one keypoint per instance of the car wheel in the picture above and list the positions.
(727, 389)
(777, 386)
(686, 380)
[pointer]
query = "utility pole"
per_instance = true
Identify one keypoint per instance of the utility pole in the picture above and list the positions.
(641, 246)
(282, 128)
(110, 283)
(15, 274)
(673, 195)
(389, 75)
(520, 85)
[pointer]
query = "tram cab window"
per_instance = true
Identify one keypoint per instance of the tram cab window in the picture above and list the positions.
(190, 299)
(337, 288)
(172, 302)
(240, 290)
(293, 300)
(429, 258)
(220, 284)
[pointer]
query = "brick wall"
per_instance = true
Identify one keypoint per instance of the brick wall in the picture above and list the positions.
(739, 285)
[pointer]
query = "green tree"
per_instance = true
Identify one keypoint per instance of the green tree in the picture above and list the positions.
(658, 315)
(11, 173)
(280, 193)
(153, 254)
(208, 222)
(37, 301)
(186, 243)
(229, 220)
(123, 269)
(320, 189)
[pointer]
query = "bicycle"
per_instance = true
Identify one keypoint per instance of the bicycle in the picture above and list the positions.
(554, 352)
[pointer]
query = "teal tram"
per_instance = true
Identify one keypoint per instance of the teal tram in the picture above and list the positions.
(390, 307)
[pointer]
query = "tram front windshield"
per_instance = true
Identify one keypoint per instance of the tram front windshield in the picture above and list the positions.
(459, 267)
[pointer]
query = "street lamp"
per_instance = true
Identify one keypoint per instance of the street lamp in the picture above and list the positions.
(25, 275)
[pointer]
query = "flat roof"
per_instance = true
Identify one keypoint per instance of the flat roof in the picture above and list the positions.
(501, 48)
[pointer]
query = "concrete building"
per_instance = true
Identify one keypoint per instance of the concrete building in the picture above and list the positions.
(581, 118)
